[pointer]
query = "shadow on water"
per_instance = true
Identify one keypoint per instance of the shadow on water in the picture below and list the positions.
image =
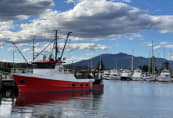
(8, 93)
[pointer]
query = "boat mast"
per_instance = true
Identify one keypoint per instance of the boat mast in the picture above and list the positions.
(132, 62)
(153, 63)
(56, 45)
(33, 50)
(100, 66)
(164, 53)
(13, 57)
(170, 54)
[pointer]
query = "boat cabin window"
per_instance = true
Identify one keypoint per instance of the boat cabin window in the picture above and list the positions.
(43, 65)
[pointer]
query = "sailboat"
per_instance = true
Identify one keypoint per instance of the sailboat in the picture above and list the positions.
(165, 75)
(49, 76)
(151, 77)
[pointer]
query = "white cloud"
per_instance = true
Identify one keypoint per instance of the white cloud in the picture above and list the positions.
(1, 45)
(127, 1)
(76, 59)
(90, 20)
(72, 47)
(163, 43)
(22, 9)
(86, 46)
(157, 47)
(169, 46)
(149, 44)
(135, 36)
(70, 1)
(171, 58)
(5, 25)
(28, 50)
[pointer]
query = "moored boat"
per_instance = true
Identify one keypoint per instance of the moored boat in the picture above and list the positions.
(106, 75)
(137, 75)
(49, 76)
(165, 76)
(125, 75)
(114, 74)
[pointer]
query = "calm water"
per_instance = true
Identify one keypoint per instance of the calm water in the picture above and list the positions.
(120, 99)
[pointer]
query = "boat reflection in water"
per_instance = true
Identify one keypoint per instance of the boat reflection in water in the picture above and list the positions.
(57, 105)
(28, 99)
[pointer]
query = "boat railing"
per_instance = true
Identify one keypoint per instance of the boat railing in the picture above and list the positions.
(21, 70)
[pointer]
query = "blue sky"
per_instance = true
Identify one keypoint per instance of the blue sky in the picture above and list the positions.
(98, 26)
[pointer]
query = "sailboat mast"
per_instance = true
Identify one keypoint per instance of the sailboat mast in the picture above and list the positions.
(153, 63)
(170, 54)
(164, 53)
(132, 61)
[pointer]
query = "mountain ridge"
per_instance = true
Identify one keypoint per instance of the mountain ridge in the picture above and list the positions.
(121, 60)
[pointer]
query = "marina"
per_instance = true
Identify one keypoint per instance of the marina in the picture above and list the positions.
(129, 99)
(86, 59)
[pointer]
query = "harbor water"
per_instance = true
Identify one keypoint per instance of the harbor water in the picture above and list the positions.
(120, 99)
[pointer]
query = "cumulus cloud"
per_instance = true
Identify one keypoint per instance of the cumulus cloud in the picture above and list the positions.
(135, 36)
(91, 20)
(1, 45)
(85, 46)
(157, 47)
(76, 59)
(70, 1)
(163, 43)
(127, 1)
(73, 47)
(5, 25)
(169, 46)
(21, 9)
(149, 44)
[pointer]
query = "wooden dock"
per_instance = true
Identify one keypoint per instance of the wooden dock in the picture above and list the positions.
(6, 81)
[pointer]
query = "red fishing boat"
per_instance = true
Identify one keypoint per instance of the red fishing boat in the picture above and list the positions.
(49, 76)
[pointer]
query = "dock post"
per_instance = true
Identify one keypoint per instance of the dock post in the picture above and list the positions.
(0, 83)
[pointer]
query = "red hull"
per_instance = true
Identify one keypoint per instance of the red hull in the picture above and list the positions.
(34, 84)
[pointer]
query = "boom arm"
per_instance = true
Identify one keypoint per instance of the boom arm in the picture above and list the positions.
(20, 53)
(65, 44)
